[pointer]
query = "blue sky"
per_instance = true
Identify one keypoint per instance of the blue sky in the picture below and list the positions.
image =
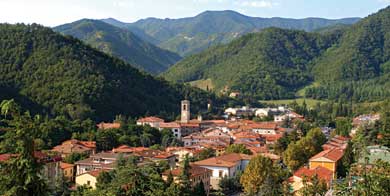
(55, 12)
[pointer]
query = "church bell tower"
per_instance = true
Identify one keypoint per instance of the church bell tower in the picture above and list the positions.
(185, 111)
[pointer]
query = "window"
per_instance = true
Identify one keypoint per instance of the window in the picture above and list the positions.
(89, 183)
(220, 173)
(65, 172)
(184, 107)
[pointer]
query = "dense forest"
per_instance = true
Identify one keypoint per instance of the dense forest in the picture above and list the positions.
(121, 43)
(272, 64)
(56, 75)
(192, 35)
(358, 67)
(345, 62)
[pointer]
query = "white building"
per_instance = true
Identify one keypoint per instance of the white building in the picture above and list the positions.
(225, 165)
(151, 121)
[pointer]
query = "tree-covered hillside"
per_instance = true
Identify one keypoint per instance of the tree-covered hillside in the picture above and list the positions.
(336, 63)
(52, 74)
(359, 66)
(121, 43)
(271, 64)
(191, 35)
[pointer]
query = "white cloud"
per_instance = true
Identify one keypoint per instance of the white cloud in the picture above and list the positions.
(257, 4)
(384, 1)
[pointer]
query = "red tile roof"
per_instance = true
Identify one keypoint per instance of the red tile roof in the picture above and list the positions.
(96, 173)
(6, 157)
(321, 172)
(104, 125)
(128, 149)
(194, 171)
(272, 137)
(333, 154)
(73, 145)
(150, 119)
(65, 165)
(264, 125)
(227, 160)
(170, 125)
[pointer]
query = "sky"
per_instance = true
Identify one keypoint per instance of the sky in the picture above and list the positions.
(56, 12)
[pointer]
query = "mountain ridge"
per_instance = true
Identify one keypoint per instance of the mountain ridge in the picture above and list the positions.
(120, 43)
(54, 74)
(205, 29)
(346, 63)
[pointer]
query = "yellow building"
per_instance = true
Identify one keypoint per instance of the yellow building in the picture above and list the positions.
(89, 178)
(68, 171)
(328, 159)
(296, 181)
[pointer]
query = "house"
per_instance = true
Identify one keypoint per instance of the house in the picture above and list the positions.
(336, 142)
(224, 165)
(68, 171)
(289, 115)
(147, 154)
(104, 125)
(264, 127)
(328, 158)
(272, 139)
(214, 136)
(151, 121)
(181, 152)
(103, 160)
(75, 146)
(264, 112)
(244, 111)
(128, 149)
(89, 178)
(157, 155)
(51, 170)
(364, 120)
(197, 175)
(174, 127)
(322, 173)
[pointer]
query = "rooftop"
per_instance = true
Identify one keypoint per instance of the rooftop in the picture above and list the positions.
(194, 171)
(321, 172)
(227, 160)
(150, 119)
(333, 154)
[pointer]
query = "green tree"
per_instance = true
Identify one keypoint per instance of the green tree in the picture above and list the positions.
(21, 174)
(343, 126)
(103, 180)
(260, 173)
(238, 148)
(313, 186)
(199, 189)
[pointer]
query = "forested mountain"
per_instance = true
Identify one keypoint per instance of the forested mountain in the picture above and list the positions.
(121, 43)
(359, 66)
(59, 75)
(343, 63)
(194, 34)
(272, 64)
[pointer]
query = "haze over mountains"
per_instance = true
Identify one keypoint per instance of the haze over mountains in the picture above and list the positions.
(347, 63)
(191, 35)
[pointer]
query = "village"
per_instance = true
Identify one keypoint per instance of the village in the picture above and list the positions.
(197, 136)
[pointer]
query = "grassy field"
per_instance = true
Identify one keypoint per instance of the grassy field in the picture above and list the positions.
(203, 84)
(309, 102)
(302, 92)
